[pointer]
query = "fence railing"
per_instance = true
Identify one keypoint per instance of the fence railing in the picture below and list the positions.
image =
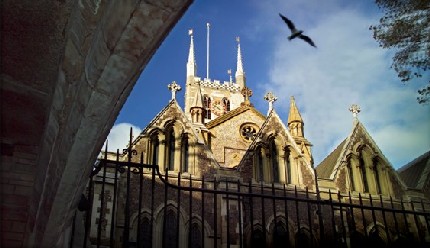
(133, 204)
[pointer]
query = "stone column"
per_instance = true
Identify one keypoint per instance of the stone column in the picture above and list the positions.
(370, 173)
(177, 153)
(356, 173)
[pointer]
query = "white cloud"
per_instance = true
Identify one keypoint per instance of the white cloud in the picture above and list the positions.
(119, 136)
(347, 67)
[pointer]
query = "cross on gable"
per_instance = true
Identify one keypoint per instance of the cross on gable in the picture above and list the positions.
(173, 87)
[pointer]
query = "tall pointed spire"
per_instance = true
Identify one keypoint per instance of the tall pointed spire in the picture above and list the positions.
(191, 64)
(240, 74)
(295, 121)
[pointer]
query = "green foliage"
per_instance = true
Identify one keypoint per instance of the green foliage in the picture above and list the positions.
(405, 27)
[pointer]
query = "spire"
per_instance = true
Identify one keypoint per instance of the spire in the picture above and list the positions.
(240, 74)
(295, 121)
(191, 64)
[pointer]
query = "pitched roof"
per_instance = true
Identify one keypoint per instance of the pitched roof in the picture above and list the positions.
(232, 114)
(331, 164)
(325, 168)
(416, 172)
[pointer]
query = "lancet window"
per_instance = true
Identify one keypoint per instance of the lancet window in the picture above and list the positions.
(287, 162)
(154, 145)
(207, 106)
(226, 103)
(171, 148)
(274, 161)
(184, 153)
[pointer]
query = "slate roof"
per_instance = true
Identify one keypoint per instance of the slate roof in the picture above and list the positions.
(416, 172)
(325, 168)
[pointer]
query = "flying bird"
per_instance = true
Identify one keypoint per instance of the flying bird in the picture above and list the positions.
(295, 32)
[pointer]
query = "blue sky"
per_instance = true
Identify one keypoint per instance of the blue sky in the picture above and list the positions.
(347, 67)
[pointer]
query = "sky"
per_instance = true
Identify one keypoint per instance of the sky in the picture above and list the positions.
(347, 67)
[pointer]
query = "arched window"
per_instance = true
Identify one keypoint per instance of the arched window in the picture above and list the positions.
(363, 172)
(258, 164)
(377, 237)
(257, 240)
(280, 235)
(145, 233)
(196, 236)
(303, 238)
(377, 176)
(351, 177)
(287, 165)
(207, 106)
(170, 238)
(226, 103)
(154, 148)
(274, 161)
(171, 149)
(184, 153)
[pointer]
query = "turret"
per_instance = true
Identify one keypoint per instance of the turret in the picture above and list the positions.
(295, 121)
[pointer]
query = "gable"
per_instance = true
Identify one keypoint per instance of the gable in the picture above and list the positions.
(228, 143)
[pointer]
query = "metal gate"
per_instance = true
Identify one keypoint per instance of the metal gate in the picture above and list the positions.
(132, 204)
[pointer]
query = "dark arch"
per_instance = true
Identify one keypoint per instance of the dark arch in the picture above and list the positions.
(280, 235)
(226, 103)
(257, 240)
(196, 236)
(170, 235)
(154, 148)
(145, 239)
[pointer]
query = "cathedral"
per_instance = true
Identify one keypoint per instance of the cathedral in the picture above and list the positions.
(219, 173)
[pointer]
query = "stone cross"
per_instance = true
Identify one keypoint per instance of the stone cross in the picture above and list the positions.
(271, 99)
(173, 87)
(354, 109)
(247, 93)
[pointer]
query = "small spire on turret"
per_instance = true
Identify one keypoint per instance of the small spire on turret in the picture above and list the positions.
(295, 121)
(240, 74)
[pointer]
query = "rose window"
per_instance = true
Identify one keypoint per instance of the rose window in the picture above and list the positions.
(248, 132)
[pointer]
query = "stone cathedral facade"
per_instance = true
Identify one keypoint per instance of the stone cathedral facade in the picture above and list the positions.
(218, 135)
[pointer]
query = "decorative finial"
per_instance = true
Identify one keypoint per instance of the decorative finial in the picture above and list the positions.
(229, 73)
(238, 39)
(271, 98)
(173, 87)
(190, 32)
(354, 109)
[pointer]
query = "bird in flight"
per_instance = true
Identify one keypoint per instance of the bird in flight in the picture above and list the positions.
(295, 32)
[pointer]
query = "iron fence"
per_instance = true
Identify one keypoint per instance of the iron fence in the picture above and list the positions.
(133, 204)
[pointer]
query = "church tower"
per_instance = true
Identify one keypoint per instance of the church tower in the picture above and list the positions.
(217, 97)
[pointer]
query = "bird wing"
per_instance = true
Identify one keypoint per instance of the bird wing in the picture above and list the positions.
(307, 39)
(288, 22)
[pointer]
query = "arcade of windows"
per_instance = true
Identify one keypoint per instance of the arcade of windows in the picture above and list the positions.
(169, 149)
(366, 173)
(272, 163)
